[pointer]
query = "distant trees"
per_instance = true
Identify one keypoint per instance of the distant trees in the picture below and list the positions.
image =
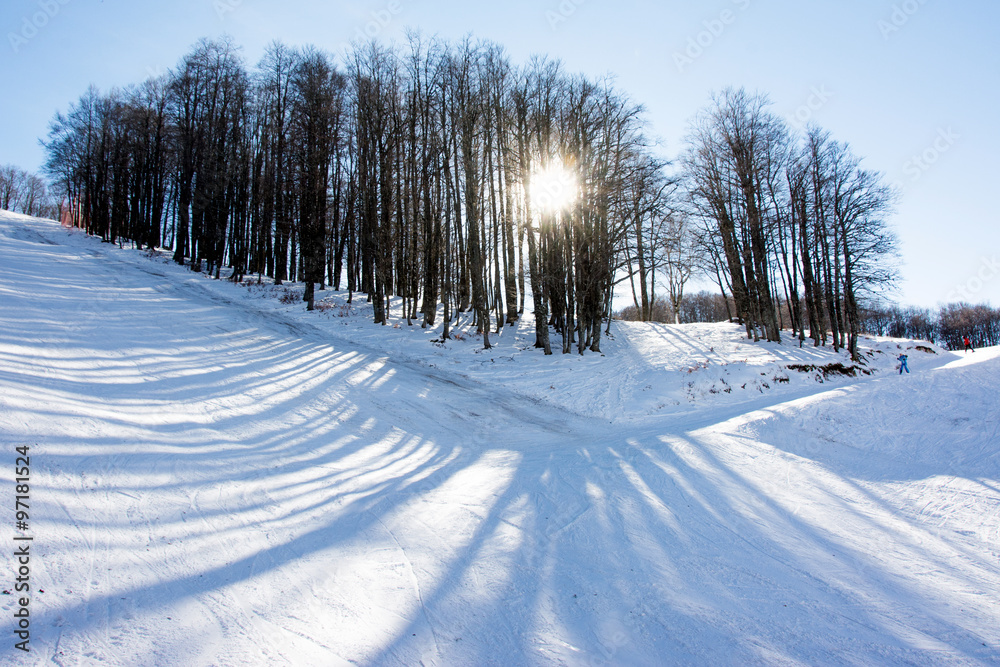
(701, 306)
(948, 326)
(787, 220)
(980, 323)
(705, 306)
(24, 192)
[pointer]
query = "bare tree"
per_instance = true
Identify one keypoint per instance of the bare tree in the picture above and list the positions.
(682, 257)
(733, 149)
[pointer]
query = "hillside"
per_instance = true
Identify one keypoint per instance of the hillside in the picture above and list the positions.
(219, 477)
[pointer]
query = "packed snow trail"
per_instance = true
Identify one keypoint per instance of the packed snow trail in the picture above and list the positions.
(215, 484)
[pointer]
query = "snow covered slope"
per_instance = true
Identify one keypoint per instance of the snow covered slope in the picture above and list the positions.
(219, 478)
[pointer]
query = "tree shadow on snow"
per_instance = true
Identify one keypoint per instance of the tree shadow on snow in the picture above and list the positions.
(211, 465)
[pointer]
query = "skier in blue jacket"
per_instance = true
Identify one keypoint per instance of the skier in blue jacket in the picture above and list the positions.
(902, 364)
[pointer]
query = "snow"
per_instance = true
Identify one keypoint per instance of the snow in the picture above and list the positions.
(220, 478)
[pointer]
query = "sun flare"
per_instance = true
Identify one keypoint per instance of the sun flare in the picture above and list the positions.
(553, 188)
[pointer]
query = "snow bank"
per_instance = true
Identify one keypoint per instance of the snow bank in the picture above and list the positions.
(646, 369)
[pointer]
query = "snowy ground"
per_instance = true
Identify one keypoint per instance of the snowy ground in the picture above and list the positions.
(220, 478)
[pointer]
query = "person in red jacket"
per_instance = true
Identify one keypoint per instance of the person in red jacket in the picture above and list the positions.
(968, 344)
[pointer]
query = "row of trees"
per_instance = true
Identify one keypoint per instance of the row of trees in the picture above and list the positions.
(787, 220)
(948, 326)
(702, 306)
(439, 173)
(24, 192)
(447, 176)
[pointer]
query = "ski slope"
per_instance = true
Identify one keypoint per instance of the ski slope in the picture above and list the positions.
(220, 478)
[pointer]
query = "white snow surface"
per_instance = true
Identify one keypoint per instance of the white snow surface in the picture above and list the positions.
(221, 478)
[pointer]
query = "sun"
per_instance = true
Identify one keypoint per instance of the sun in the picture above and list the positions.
(553, 188)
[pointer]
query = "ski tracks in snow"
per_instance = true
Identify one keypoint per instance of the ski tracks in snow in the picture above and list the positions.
(228, 485)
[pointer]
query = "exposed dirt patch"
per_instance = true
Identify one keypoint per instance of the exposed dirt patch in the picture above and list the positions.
(830, 369)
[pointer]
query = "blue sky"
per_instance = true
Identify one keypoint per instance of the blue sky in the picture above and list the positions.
(912, 85)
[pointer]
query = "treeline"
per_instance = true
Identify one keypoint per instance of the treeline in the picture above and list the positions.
(447, 176)
(439, 173)
(787, 219)
(701, 306)
(24, 192)
(948, 326)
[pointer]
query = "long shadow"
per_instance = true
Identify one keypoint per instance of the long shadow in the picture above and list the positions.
(530, 536)
(698, 564)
